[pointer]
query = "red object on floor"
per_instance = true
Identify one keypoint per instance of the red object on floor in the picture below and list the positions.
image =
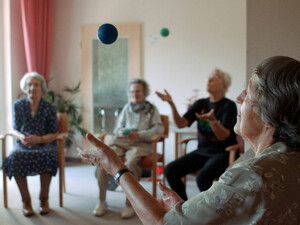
(150, 179)
(159, 171)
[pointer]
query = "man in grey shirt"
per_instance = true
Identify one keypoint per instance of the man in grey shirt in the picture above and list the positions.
(139, 121)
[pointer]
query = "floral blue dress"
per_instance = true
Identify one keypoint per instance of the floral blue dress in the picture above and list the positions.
(40, 158)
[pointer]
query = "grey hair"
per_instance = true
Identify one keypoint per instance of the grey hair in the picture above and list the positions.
(23, 82)
(226, 78)
(142, 82)
(274, 92)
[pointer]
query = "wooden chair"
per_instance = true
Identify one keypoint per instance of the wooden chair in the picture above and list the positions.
(232, 152)
(62, 119)
(150, 162)
(63, 130)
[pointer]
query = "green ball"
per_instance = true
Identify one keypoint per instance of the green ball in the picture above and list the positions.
(164, 32)
(126, 131)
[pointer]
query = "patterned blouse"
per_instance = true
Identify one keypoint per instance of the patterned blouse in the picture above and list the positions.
(262, 190)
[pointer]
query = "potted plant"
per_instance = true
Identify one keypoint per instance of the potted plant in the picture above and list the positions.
(66, 105)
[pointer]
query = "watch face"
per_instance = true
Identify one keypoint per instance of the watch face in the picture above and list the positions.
(120, 173)
(112, 184)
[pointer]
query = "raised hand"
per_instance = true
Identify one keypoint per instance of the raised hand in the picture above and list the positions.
(171, 200)
(165, 97)
(210, 116)
(103, 156)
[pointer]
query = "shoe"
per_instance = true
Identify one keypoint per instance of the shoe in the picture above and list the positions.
(27, 209)
(100, 209)
(44, 207)
(127, 212)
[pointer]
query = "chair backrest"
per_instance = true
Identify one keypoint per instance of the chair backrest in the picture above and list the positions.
(165, 121)
(62, 120)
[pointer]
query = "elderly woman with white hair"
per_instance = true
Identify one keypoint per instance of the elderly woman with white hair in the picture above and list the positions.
(139, 121)
(215, 117)
(262, 189)
(35, 151)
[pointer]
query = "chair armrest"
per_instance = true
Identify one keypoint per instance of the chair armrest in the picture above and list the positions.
(3, 136)
(232, 149)
(158, 138)
(3, 140)
(60, 136)
(185, 141)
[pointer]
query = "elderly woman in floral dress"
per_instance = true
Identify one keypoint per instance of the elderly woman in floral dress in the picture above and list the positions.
(35, 151)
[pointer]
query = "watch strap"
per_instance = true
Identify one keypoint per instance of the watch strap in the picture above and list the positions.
(120, 173)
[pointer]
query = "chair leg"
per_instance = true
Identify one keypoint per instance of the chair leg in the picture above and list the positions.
(163, 162)
(63, 175)
(154, 165)
(61, 167)
(183, 179)
(60, 187)
(64, 182)
(3, 147)
(154, 182)
(5, 189)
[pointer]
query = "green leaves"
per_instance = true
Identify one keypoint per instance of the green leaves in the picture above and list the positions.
(68, 106)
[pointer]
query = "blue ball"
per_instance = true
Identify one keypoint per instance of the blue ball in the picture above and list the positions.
(107, 33)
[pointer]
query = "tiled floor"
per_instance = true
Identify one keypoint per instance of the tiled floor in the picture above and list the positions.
(79, 201)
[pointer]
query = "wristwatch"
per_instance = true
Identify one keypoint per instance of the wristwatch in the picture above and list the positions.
(120, 173)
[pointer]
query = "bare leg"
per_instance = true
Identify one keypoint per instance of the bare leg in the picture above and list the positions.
(23, 187)
(45, 184)
(44, 194)
(102, 178)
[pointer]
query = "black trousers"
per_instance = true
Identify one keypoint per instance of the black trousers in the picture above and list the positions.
(211, 168)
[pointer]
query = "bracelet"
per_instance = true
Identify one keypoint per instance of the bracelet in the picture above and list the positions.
(120, 173)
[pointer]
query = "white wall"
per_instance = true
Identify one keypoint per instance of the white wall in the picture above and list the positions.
(12, 61)
(18, 61)
(1, 70)
(204, 34)
(2, 111)
(273, 28)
